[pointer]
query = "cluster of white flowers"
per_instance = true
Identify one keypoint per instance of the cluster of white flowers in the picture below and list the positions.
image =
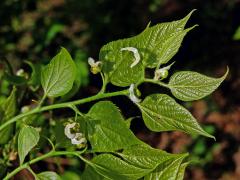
(76, 138)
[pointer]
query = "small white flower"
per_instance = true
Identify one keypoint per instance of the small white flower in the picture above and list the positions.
(135, 53)
(67, 130)
(92, 62)
(162, 73)
(25, 109)
(79, 139)
(132, 95)
(20, 72)
(95, 66)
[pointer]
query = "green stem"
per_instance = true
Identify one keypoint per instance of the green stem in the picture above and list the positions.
(104, 81)
(50, 154)
(156, 82)
(42, 100)
(64, 105)
(32, 172)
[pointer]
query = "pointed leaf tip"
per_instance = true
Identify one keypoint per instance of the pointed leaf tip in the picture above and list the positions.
(190, 86)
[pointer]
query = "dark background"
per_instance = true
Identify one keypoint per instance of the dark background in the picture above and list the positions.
(35, 31)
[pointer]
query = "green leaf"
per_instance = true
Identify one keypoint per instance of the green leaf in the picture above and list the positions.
(181, 171)
(169, 170)
(82, 72)
(15, 80)
(115, 168)
(52, 32)
(58, 76)
(48, 175)
(89, 174)
(147, 157)
(133, 163)
(161, 113)
(10, 105)
(107, 130)
(116, 65)
(28, 138)
(70, 175)
(61, 139)
(7, 110)
(156, 45)
(236, 35)
(35, 79)
(189, 86)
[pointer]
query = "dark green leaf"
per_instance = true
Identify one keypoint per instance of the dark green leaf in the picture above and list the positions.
(35, 79)
(15, 80)
(89, 174)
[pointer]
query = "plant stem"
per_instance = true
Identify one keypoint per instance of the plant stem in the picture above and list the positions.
(64, 105)
(50, 154)
(32, 172)
(156, 82)
(104, 81)
(42, 100)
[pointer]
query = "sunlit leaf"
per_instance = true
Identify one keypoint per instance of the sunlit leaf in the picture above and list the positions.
(107, 130)
(58, 76)
(189, 86)
(28, 138)
(162, 113)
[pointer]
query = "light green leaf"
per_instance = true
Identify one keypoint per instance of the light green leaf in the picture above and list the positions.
(7, 110)
(10, 106)
(58, 76)
(70, 175)
(169, 170)
(156, 45)
(107, 130)
(162, 113)
(189, 86)
(48, 175)
(181, 171)
(80, 78)
(236, 35)
(28, 138)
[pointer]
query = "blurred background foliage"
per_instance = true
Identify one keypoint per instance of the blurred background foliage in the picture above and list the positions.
(32, 32)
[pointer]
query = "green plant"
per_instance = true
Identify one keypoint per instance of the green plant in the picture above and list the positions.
(102, 138)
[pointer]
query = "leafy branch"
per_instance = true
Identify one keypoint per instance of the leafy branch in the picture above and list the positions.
(103, 131)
